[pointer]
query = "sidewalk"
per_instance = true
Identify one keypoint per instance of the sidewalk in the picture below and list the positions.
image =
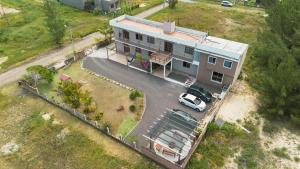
(59, 54)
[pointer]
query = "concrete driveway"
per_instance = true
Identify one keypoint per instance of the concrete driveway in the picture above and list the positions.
(160, 94)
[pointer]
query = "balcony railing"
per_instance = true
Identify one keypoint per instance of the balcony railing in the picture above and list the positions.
(161, 57)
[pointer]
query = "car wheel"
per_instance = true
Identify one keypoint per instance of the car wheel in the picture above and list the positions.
(198, 110)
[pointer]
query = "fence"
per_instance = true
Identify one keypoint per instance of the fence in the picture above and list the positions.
(145, 151)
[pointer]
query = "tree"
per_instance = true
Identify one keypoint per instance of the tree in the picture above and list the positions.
(71, 93)
(276, 62)
(107, 31)
(37, 73)
(172, 3)
(54, 21)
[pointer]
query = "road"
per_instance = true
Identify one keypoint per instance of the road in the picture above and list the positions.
(56, 55)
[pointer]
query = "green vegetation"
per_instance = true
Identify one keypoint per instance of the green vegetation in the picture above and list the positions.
(134, 94)
(172, 3)
(54, 21)
(276, 63)
(238, 24)
(132, 108)
(270, 127)
(281, 153)
(38, 74)
(26, 34)
(126, 126)
(225, 142)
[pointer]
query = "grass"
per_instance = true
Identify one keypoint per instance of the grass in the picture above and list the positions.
(108, 97)
(83, 147)
(27, 36)
(126, 126)
(239, 24)
(226, 142)
(281, 153)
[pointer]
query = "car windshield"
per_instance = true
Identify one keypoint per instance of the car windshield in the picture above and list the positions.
(197, 101)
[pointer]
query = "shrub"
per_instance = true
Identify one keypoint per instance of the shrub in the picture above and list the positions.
(99, 116)
(269, 127)
(132, 108)
(134, 94)
(281, 153)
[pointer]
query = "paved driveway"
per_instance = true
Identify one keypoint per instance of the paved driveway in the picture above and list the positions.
(160, 94)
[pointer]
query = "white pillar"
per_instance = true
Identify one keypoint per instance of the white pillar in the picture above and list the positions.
(150, 67)
(171, 68)
(164, 71)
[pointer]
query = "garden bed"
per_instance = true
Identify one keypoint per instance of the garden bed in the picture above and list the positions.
(112, 102)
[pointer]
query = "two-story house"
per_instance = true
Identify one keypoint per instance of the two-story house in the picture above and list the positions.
(212, 61)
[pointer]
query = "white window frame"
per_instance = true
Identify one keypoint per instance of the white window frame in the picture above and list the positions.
(227, 61)
(212, 73)
(210, 62)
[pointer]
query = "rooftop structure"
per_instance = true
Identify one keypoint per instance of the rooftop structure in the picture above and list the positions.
(199, 40)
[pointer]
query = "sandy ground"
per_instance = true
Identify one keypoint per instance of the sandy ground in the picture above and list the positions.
(5, 10)
(237, 107)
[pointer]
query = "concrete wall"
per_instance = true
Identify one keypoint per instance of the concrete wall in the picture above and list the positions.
(177, 66)
(106, 5)
(206, 69)
(74, 3)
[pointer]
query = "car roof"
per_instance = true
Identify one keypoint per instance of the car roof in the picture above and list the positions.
(189, 96)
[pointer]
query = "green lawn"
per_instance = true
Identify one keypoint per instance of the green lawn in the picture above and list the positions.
(26, 35)
(42, 147)
(147, 5)
(238, 23)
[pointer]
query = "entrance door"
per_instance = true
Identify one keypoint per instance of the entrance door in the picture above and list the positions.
(168, 47)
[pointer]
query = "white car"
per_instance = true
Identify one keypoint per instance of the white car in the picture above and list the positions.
(226, 3)
(192, 101)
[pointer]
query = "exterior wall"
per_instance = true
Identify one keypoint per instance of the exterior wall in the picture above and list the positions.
(74, 3)
(177, 66)
(106, 5)
(239, 66)
(206, 69)
(178, 50)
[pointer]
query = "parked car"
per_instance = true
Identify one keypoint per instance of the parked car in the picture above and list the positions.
(192, 101)
(187, 117)
(197, 91)
(226, 3)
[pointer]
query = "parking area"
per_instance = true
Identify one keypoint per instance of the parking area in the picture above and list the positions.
(160, 94)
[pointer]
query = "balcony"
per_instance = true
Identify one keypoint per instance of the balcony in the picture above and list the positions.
(161, 58)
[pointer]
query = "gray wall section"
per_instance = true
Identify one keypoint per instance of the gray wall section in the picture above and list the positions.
(177, 66)
(74, 3)
(107, 5)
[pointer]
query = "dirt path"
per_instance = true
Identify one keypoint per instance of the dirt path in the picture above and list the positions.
(59, 54)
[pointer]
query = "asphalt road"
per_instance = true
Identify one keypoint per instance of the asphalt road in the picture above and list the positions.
(160, 94)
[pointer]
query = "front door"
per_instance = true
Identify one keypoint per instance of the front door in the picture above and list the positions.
(168, 47)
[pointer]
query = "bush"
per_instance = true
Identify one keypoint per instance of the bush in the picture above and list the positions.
(281, 153)
(269, 127)
(132, 108)
(134, 94)
(99, 116)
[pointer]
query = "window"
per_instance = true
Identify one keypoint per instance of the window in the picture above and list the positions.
(186, 64)
(227, 64)
(217, 77)
(112, 6)
(189, 50)
(150, 39)
(125, 34)
(138, 36)
(138, 50)
(212, 60)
